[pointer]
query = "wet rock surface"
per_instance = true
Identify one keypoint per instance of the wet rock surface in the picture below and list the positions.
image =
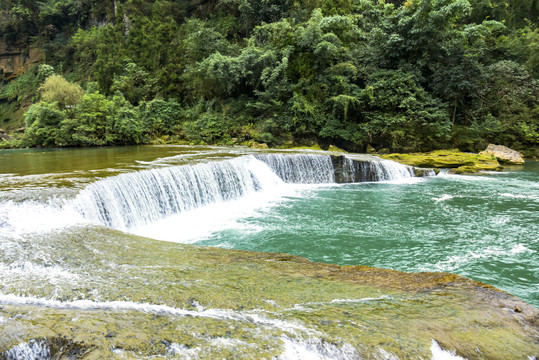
(147, 298)
(457, 161)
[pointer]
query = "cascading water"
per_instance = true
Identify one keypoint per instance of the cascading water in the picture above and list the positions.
(362, 171)
(135, 199)
(131, 200)
(301, 168)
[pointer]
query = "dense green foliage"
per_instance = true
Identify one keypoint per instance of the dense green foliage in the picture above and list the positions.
(404, 75)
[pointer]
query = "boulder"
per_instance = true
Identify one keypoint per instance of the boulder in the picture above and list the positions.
(504, 154)
(424, 172)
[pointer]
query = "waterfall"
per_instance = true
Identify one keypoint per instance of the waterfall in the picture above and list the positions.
(135, 199)
(351, 171)
(301, 168)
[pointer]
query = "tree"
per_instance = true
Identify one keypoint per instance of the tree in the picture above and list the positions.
(57, 89)
(135, 83)
(43, 125)
(91, 122)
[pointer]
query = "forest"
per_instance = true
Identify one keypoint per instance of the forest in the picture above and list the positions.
(363, 75)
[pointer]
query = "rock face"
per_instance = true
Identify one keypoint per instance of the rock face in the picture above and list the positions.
(425, 172)
(15, 60)
(504, 154)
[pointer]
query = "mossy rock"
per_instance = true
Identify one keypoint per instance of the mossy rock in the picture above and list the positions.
(169, 299)
(317, 147)
(454, 159)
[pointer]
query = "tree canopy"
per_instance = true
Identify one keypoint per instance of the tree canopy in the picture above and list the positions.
(400, 75)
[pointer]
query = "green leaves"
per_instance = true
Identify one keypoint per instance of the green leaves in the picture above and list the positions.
(400, 74)
(57, 89)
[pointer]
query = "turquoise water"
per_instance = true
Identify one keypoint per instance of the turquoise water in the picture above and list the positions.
(483, 227)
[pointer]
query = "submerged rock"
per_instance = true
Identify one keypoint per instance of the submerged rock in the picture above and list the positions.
(155, 299)
(504, 154)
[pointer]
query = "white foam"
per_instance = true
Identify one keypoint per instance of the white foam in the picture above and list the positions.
(404, 181)
(183, 351)
(28, 270)
(454, 262)
(440, 354)
(383, 297)
(315, 349)
(18, 218)
(519, 196)
(520, 249)
(33, 350)
(444, 197)
(201, 223)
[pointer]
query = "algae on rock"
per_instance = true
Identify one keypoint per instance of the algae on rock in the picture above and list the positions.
(459, 162)
(148, 298)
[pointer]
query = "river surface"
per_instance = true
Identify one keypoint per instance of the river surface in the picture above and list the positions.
(484, 227)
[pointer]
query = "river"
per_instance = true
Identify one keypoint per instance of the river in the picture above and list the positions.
(484, 227)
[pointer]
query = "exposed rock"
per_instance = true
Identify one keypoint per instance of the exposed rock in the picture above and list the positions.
(424, 172)
(453, 159)
(248, 302)
(15, 60)
(257, 145)
(504, 154)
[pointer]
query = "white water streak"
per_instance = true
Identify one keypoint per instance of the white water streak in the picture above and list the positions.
(32, 350)
(253, 317)
(440, 354)
(316, 349)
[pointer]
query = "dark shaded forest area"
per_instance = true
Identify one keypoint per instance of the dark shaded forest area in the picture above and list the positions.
(411, 75)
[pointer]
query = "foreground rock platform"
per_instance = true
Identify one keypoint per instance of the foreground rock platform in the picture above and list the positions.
(144, 298)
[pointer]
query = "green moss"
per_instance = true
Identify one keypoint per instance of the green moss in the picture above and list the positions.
(256, 300)
(454, 159)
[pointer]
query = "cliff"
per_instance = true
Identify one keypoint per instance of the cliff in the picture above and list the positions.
(15, 59)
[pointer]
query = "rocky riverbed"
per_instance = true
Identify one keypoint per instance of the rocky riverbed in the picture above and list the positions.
(147, 298)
